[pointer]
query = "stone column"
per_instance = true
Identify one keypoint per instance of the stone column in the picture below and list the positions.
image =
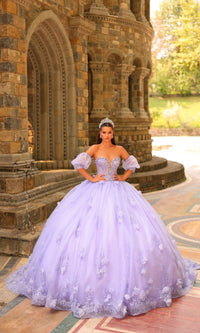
(98, 69)
(146, 94)
(13, 90)
(98, 8)
(147, 10)
(138, 91)
(124, 72)
(81, 8)
(138, 7)
(124, 10)
(80, 29)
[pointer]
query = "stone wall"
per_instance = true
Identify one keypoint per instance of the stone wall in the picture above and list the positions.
(119, 70)
(44, 70)
(13, 90)
(64, 65)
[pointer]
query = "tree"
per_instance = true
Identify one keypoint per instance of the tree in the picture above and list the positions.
(176, 47)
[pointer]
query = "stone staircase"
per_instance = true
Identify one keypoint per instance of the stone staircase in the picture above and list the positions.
(158, 174)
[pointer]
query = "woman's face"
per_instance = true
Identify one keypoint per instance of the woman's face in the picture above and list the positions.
(106, 133)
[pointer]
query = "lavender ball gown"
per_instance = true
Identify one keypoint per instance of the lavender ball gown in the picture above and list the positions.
(104, 252)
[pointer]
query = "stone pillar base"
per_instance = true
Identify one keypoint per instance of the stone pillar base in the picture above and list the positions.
(125, 112)
(142, 19)
(13, 161)
(143, 113)
(125, 12)
(98, 8)
(99, 113)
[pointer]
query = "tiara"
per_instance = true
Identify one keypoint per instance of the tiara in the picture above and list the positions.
(105, 121)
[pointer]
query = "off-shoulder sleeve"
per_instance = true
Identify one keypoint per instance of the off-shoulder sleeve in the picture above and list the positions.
(130, 163)
(83, 160)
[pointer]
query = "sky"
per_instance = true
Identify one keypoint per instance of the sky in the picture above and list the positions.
(154, 5)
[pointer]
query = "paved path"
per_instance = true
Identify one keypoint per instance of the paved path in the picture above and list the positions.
(185, 149)
(179, 208)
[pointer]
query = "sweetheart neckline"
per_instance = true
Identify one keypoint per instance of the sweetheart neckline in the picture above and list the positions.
(110, 162)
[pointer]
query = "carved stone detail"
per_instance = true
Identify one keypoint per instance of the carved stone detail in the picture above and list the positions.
(124, 10)
(23, 2)
(101, 67)
(49, 93)
(98, 8)
(121, 20)
(81, 25)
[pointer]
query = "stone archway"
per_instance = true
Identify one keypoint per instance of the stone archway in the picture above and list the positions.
(51, 92)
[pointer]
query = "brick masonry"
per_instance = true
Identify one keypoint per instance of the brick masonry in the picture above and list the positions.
(12, 66)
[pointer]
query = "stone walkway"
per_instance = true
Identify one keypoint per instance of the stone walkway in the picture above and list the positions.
(179, 207)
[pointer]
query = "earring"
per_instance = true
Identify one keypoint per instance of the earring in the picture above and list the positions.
(100, 136)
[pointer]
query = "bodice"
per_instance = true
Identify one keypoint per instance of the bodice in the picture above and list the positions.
(104, 166)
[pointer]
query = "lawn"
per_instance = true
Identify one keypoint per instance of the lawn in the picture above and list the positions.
(175, 112)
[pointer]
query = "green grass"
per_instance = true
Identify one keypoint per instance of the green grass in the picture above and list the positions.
(182, 112)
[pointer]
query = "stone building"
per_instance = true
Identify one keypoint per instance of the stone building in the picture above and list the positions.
(64, 65)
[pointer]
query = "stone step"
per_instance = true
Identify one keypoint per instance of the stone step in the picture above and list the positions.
(41, 183)
(17, 242)
(156, 163)
(34, 211)
(159, 179)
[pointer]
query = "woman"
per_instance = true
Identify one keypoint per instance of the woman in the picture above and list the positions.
(104, 250)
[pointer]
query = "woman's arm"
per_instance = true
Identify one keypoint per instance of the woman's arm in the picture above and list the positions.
(124, 155)
(91, 151)
(87, 176)
(124, 176)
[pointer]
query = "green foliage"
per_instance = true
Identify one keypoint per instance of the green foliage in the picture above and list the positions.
(182, 82)
(176, 49)
(175, 112)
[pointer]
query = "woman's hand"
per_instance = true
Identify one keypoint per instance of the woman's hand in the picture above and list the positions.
(98, 178)
(117, 177)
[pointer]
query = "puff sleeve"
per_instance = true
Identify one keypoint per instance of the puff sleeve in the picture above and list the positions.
(83, 160)
(130, 163)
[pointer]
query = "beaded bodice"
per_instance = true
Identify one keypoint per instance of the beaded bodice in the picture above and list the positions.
(106, 167)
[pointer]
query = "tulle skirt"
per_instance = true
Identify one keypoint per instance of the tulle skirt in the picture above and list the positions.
(104, 251)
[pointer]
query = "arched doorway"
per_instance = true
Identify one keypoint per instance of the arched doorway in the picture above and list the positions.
(51, 92)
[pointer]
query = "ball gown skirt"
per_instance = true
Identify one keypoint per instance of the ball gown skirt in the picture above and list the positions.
(104, 251)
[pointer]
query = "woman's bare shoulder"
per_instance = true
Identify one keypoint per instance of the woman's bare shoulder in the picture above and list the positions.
(122, 151)
(92, 149)
(120, 148)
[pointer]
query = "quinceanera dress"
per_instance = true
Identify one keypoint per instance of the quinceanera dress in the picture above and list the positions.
(104, 251)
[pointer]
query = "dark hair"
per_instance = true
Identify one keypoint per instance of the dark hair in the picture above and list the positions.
(99, 139)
